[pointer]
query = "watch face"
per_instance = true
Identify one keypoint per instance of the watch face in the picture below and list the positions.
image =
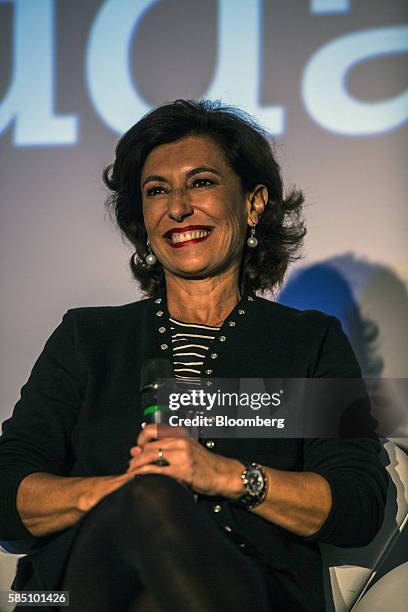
(255, 481)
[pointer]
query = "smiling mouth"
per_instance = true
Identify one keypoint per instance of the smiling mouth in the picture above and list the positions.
(178, 239)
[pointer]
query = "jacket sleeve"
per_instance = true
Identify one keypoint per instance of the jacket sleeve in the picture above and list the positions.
(36, 438)
(352, 466)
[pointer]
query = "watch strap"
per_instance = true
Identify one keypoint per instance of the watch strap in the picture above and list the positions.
(253, 496)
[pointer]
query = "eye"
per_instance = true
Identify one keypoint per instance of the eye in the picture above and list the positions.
(202, 182)
(154, 191)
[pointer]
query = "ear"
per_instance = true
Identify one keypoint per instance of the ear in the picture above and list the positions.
(256, 203)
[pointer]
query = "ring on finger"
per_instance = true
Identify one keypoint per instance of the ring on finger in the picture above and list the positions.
(161, 460)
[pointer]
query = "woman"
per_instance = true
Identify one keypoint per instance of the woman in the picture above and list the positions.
(186, 524)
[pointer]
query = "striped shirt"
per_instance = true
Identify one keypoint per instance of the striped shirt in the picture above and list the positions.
(190, 343)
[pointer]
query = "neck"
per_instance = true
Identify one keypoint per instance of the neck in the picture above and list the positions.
(208, 301)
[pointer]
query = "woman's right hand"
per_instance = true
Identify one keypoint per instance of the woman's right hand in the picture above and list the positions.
(47, 503)
(98, 487)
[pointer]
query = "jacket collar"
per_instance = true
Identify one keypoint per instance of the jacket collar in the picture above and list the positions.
(231, 334)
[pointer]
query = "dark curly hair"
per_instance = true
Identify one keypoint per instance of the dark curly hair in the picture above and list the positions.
(246, 148)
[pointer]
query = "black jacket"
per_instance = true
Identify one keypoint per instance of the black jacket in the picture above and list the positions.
(79, 414)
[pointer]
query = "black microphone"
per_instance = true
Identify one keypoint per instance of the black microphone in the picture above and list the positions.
(153, 412)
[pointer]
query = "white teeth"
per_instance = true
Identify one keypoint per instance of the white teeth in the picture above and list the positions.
(183, 237)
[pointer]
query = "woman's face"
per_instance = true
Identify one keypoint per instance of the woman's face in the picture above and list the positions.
(195, 211)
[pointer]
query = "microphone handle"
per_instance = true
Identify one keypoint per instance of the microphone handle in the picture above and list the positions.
(155, 417)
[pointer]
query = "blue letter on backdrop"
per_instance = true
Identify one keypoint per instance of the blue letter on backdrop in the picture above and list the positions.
(236, 78)
(329, 6)
(107, 63)
(30, 97)
(324, 83)
(237, 74)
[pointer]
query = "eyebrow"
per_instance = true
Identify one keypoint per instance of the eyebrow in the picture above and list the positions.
(156, 177)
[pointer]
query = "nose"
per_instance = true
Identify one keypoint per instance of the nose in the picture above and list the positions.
(179, 205)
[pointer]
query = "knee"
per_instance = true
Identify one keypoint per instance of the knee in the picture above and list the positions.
(160, 504)
(146, 492)
(149, 500)
(152, 511)
(152, 492)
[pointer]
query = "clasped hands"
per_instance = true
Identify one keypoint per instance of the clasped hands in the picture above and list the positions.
(189, 462)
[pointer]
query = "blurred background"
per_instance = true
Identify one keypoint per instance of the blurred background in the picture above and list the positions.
(327, 78)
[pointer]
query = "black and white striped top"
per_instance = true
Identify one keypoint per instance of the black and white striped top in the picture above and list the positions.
(190, 343)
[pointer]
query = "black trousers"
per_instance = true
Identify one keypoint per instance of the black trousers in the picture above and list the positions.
(150, 537)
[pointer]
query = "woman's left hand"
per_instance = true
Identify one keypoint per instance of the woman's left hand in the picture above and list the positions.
(189, 462)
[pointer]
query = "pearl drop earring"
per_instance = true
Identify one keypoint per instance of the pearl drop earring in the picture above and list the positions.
(252, 241)
(151, 258)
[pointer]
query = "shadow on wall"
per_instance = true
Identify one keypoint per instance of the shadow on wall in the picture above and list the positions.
(369, 300)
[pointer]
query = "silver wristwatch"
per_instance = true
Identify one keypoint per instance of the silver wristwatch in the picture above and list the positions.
(255, 482)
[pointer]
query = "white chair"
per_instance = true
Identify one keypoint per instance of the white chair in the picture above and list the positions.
(8, 566)
(350, 571)
(391, 592)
